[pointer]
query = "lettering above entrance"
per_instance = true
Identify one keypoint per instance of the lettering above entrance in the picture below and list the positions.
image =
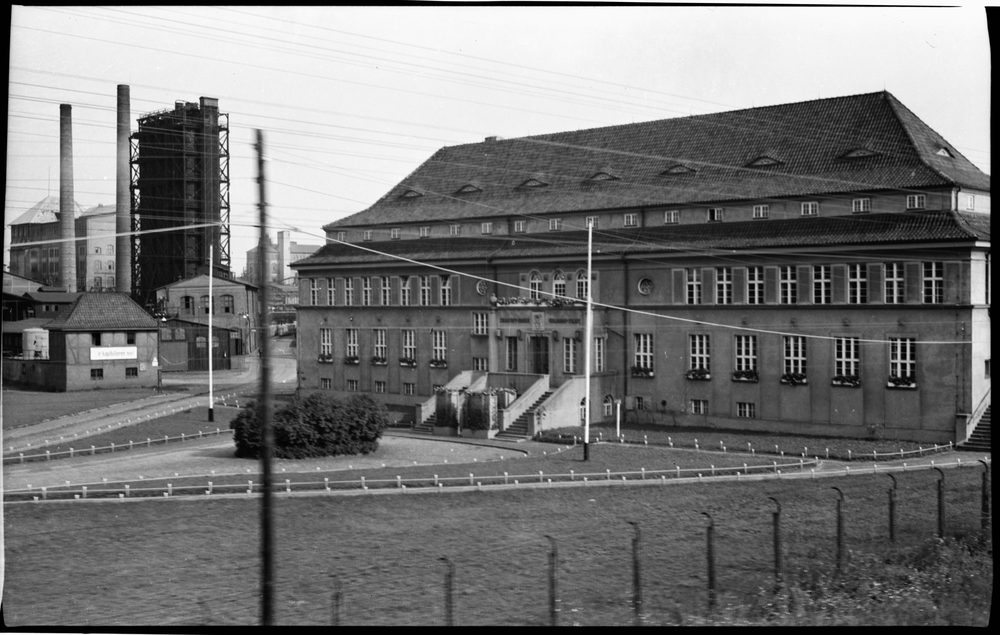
(113, 352)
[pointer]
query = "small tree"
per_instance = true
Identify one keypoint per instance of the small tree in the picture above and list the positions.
(317, 425)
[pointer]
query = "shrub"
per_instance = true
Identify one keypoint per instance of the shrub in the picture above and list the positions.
(447, 416)
(476, 416)
(316, 425)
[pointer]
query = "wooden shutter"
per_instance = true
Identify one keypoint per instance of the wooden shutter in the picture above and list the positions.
(680, 286)
(770, 285)
(954, 290)
(708, 286)
(739, 285)
(805, 285)
(913, 283)
(876, 287)
(839, 284)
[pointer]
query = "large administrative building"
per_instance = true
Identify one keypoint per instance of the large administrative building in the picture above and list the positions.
(818, 267)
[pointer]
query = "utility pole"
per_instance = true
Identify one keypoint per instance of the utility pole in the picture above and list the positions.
(211, 341)
(589, 335)
(266, 435)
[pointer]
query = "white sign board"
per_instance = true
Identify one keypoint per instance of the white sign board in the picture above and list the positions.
(113, 352)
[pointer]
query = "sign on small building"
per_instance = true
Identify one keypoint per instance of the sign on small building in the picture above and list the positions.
(113, 352)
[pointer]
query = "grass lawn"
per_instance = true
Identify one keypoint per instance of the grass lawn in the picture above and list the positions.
(23, 407)
(176, 562)
(736, 441)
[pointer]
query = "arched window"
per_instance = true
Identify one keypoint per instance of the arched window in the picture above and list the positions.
(582, 284)
(98, 284)
(97, 265)
(111, 282)
(227, 304)
(111, 265)
(111, 249)
(97, 250)
(187, 302)
(609, 406)
(559, 284)
(205, 303)
(535, 286)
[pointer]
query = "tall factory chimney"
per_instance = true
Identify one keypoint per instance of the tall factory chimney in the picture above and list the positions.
(123, 217)
(67, 222)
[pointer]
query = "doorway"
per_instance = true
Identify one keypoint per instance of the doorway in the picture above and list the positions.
(538, 353)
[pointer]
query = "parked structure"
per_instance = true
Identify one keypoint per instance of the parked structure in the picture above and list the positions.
(180, 178)
(103, 340)
(818, 267)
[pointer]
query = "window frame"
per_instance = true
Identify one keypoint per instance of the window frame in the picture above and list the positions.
(861, 205)
(809, 208)
(902, 357)
(671, 217)
(788, 284)
(439, 345)
(894, 283)
(630, 219)
(570, 355)
(794, 355)
(745, 352)
(857, 283)
(932, 288)
(700, 352)
(352, 342)
(916, 201)
(715, 214)
(555, 224)
(761, 211)
(847, 356)
(755, 285)
(643, 356)
(692, 285)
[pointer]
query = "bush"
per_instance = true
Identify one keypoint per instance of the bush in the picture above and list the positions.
(317, 425)
(446, 416)
(476, 416)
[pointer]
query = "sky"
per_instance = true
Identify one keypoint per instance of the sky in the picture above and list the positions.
(350, 100)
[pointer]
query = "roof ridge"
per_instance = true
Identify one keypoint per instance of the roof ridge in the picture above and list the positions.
(894, 105)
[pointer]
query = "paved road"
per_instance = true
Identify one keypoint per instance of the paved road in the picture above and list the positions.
(228, 386)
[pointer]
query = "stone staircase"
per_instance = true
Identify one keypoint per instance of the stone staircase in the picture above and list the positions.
(427, 427)
(979, 440)
(518, 431)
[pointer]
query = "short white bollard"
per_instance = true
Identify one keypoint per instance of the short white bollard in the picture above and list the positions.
(609, 474)
(288, 486)
(170, 488)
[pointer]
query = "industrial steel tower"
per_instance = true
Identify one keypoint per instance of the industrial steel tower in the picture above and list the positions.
(180, 179)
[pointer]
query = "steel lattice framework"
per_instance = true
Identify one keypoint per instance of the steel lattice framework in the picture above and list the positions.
(179, 178)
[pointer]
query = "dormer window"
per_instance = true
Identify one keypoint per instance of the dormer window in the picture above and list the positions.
(469, 189)
(533, 183)
(945, 152)
(763, 161)
(410, 194)
(859, 153)
(678, 169)
(603, 176)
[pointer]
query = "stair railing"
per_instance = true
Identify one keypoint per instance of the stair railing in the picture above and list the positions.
(973, 420)
(527, 399)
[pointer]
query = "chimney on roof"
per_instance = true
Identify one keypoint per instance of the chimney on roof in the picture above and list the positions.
(123, 200)
(491, 139)
(67, 220)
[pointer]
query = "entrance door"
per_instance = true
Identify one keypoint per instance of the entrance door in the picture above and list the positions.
(539, 354)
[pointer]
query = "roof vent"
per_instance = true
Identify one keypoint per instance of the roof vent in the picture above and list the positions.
(533, 183)
(492, 139)
(603, 176)
(945, 152)
(763, 161)
(678, 168)
(410, 194)
(859, 153)
(469, 189)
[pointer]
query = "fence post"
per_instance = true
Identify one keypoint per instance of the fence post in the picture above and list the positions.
(336, 600)
(553, 563)
(940, 497)
(840, 529)
(985, 510)
(448, 582)
(777, 542)
(892, 510)
(710, 539)
(636, 576)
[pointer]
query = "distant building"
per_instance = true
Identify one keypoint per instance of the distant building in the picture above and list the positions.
(34, 242)
(102, 340)
(278, 258)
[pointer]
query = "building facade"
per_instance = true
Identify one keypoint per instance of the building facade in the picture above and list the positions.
(819, 268)
(236, 310)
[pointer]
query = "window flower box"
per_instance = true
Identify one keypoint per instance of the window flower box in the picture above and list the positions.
(325, 358)
(407, 362)
(903, 383)
(379, 361)
(439, 363)
(642, 371)
(848, 381)
(749, 376)
(698, 374)
(352, 360)
(794, 379)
